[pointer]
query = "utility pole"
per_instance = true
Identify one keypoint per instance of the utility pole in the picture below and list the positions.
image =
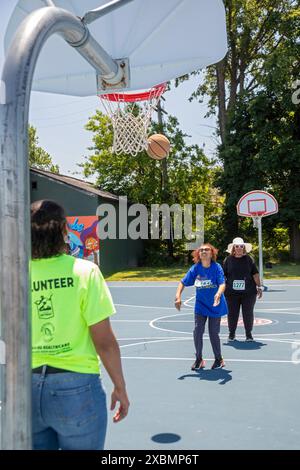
(165, 181)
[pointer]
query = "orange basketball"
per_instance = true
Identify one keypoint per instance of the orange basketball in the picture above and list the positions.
(158, 146)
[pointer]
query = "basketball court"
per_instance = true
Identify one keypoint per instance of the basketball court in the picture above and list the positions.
(79, 48)
(252, 403)
(93, 47)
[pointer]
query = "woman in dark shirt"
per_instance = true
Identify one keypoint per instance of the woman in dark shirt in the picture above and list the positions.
(242, 286)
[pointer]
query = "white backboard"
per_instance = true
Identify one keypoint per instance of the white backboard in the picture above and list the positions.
(163, 39)
(258, 203)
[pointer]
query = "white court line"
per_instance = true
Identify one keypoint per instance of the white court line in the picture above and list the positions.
(284, 285)
(162, 319)
(175, 283)
(276, 309)
(129, 321)
(145, 306)
(238, 337)
(143, 343)
(279, 301)
(188, 300)
(279, 334)
(134, 287)
(151, 324)
(149, 337)
(271, 361)
(190, 309)
(154, 341)
(293, 322)
(283, 312)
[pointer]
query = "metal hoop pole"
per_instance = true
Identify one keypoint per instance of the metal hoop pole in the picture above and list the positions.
(15, 344)
(260, 249)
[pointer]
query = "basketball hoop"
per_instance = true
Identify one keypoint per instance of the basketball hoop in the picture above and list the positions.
(130, 120)
(256, 216)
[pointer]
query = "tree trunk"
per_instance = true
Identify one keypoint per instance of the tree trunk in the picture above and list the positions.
(294, 234)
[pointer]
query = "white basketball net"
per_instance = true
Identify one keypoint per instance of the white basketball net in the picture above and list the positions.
(255, 220)
(131, 122)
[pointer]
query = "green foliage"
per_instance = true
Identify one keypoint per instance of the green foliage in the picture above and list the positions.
(250, 90)
(140, 177)
(189, 174)
(38, 157)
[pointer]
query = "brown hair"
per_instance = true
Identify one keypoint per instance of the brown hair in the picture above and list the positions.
(48, 223)
(196, 253)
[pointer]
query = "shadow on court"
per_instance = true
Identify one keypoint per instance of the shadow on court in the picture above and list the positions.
(245, 346)
(166, 438)
(211, 375)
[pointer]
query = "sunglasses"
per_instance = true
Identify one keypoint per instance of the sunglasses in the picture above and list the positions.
(204, 249)
(239, 246)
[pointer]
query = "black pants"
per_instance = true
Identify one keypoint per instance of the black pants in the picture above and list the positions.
(213, 330)
(234, 302)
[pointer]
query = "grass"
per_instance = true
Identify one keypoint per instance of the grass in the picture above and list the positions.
(175, 273)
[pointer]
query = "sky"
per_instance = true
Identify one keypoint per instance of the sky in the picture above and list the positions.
(60, 119)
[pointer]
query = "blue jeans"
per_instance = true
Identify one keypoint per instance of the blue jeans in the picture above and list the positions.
(68, 411)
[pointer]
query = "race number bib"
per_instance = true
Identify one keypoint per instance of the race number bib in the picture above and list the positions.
(238, 285)
(206, 283)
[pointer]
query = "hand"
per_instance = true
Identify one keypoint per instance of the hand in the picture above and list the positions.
(217, 299)
(121, 396)
(178, 302)
(259, 292)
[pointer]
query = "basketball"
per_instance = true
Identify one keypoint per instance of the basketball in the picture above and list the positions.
(158, 146)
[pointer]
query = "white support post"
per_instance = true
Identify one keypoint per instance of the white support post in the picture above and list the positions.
(261, 269)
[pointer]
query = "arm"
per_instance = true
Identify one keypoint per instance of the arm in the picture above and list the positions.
(178, 295)
(225, 267)
(108, 349)
(221, 285)
(217, 297)
(258, 285)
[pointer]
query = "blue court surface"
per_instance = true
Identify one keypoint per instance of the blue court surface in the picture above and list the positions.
(252, 403)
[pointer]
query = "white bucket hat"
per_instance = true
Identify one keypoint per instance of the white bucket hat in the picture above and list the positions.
(239, 241)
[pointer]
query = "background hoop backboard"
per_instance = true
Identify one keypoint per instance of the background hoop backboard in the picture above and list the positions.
(163, 39)
(257, 203)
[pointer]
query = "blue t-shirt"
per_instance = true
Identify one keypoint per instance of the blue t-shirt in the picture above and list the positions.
(207, 282)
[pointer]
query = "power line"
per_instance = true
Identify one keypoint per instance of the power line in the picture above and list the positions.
(62, 115)
(57, 105)
(63, 124)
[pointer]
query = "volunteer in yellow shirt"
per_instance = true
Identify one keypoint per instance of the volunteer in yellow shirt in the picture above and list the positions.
(71, 306)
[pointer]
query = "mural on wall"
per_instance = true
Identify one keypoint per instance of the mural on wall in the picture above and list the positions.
(83, 239)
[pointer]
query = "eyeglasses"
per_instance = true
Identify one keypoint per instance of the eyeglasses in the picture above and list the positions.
(239, 246)
(204, 249)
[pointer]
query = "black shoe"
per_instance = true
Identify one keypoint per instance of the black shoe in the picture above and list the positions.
(198, 364)
(218, 363)
(231, 337)
(249, 338)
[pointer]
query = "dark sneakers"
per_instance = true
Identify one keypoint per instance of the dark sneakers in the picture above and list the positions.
(198, 364)
(231, 337)
(249, 338)
(218, 363)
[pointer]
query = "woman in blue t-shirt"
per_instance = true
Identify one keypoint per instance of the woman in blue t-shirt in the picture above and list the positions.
(208, 278)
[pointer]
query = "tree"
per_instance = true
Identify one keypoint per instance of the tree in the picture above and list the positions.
(262, 55)
(38, 157)
(141, 178)
(256, 28)
(263, 139)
